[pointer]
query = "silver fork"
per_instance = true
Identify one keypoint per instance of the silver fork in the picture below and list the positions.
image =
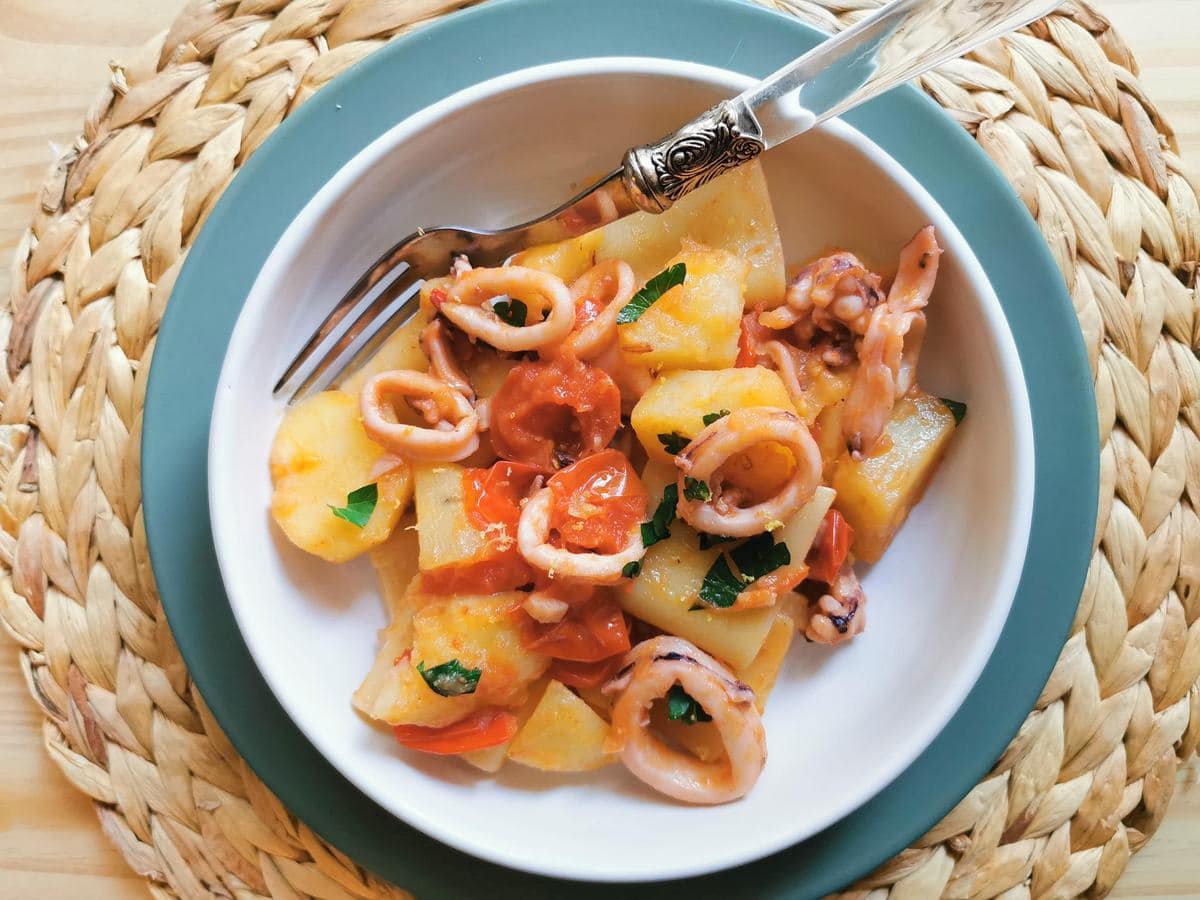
(900, 41)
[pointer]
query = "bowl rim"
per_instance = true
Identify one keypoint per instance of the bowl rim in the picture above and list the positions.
(254, 310)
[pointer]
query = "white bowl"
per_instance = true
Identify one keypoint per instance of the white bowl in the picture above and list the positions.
(841, 723)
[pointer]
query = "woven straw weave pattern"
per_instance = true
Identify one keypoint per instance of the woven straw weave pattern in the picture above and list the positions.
(1057, 107)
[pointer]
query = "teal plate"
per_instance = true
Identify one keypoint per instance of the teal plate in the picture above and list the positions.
(472, 46)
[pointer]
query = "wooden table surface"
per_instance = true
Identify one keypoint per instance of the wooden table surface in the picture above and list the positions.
(53, 59)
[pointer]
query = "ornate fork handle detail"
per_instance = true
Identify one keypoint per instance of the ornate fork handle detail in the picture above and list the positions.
(724, 137)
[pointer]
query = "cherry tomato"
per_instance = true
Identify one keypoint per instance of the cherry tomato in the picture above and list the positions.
(589, 632)
(585, 674)
(829, 553)
(486, 728)
(548, 414)
(597, 502)
(506, 571)
(493, 496)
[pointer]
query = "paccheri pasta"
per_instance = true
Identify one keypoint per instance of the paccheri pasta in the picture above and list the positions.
(606, 484)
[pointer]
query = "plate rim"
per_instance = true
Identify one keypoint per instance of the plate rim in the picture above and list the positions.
(700, 11)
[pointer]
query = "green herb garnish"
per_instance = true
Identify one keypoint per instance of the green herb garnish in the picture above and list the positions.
(682, 707)
(957, 408)
(649, 295)
(711, 540)
(760, 556)
(511, 311)
(450, 679)
(695, 489)
(720, 587)
(709, 418)
(359, 505)
(673, 442)
(658, 528)
(632, 569)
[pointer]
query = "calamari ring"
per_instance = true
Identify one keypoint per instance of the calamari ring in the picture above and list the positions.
(612, 283)
(449, 444)
(720, 441)
(465, 299)
(533, 541)
(651, 669)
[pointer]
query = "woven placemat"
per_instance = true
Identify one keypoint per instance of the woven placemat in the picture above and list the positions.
(1058, 107)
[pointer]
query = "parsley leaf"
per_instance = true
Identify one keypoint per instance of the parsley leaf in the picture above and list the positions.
(649, 295)
(759, 556)
(359, 505)
(673, 442)
(450, 679)
(957, 408)
(682, 707)
(657, 529)
(632, 569)
(709, 418)
(511, 311)
(695, 489)
(711, 540)
(720, 587)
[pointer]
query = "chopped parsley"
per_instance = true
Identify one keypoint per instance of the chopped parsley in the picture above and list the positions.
(673, 442)
(760, 556)
(695, 489)
(757, 557)
(512, 312)
(957, 408)
(658, 528)
(682, 707)
(650, 294)
(632, 569)
(359, 505)
(450, 679)
(720, 587)
(709, 418)
(711, 540)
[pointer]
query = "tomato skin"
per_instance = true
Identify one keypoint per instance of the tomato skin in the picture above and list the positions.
(751, 336)
(585, 674)
(597, 502)
(493, 496)
(589, 632)
(546, 413)
(486, 728)
(829, 554)
(504, 572)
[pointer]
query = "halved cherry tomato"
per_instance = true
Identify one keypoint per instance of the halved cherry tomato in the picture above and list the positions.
(486, 728)
(493, 496)
(597, 502)
(504, 572)
(585, 674)
(548, 414)
(833, 544)
(589, 632)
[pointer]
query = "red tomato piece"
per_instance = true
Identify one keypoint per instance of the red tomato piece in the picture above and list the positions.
(585, 674)
(833, 544)
(505, 572)
(597, 502)
(486, 728)
(493, 496)
(589, 632)
(551, 413)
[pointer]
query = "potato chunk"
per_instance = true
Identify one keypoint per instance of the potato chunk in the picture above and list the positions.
(764, 668)
(400, 351)
(564, 734)
(731, 213)
(694, 325)
(567, 259)
(876, 494)
(678, 401)
(447, 535)
(320, 455)
(669, 586)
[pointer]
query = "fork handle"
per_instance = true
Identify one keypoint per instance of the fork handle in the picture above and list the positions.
(900, 41)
